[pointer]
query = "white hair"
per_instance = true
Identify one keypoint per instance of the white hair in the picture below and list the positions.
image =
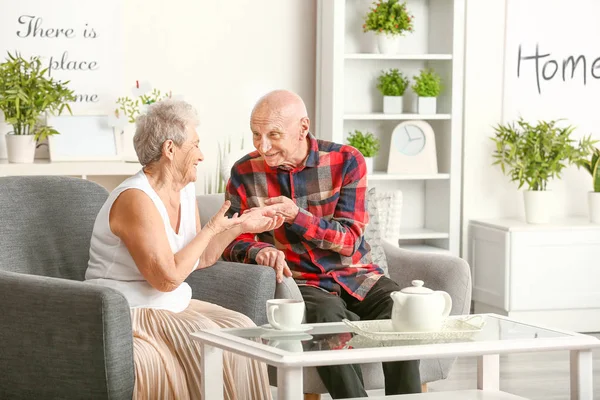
(165, 120)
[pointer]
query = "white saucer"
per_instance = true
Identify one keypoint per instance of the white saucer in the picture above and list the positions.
(280, 332)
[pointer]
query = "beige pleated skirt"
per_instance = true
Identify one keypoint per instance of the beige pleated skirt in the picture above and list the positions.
(167, 360)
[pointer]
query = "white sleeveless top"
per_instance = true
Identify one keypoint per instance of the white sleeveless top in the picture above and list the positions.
(111, 264)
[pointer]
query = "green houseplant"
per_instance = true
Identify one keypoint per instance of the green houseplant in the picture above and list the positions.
(428, 86)
(367, 144)
(592, 165)
(533, 155)
(27, 93)
(392, 84)
(389, 20)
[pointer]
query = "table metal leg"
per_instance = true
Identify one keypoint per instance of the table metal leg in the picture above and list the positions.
(488, 372)
(289, 384)
(581, 375)
(212, 372)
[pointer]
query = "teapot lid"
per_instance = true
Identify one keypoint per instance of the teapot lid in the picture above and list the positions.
(417, 288)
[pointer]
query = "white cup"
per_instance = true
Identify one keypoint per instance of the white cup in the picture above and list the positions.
(285, 314)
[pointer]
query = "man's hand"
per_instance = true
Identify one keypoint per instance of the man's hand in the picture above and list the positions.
(257, 221)
(283, 206)
(271, 257)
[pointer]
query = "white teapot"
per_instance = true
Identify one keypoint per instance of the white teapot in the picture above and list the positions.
(419, 309)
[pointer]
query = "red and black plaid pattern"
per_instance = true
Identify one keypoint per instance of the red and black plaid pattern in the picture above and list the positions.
(324, 246)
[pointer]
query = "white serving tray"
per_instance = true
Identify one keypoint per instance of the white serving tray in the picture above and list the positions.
(462, 328)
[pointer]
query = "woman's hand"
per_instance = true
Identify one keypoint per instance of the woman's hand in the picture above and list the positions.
(220, 223)
(254, 221)
(260, 220)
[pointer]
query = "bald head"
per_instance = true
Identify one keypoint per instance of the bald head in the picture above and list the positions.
(282, 102)
(280, 124)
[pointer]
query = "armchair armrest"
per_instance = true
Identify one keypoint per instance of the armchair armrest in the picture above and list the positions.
(439, 272)
(244, 288)
(60, 337)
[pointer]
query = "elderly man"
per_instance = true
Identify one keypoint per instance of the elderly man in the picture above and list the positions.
(319, 188)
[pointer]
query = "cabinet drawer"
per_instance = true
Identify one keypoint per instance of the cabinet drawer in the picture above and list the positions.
(554, 270)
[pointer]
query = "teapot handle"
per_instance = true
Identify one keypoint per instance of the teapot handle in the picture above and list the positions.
(448, 302)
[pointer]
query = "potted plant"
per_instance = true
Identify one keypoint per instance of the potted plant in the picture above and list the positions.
(592, 165)
(128, 109)
(534, 155)
(27, 93)
(389, 20)
(428, 85)
(367, 144)
(392, 84)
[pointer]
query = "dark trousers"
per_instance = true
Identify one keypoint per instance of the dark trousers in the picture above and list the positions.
(343, 381)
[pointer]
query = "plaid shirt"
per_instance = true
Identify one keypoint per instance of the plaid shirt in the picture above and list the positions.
(324, 246)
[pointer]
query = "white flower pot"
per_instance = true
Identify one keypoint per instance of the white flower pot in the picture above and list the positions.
(594, 207)
(427, 105)
(20, 148)
(369, 164)
(538, 204)
(393, 104)
(388, 44)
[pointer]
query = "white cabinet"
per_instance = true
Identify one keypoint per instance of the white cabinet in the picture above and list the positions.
(543, 274)
(346, 99)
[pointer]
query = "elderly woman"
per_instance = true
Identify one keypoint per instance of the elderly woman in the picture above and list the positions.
(147, 239)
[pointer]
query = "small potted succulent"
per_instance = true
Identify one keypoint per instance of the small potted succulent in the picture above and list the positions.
(392, 84)
(367, 144)
(536, 154)
(427, 86)
(389, 20)
(592, 165)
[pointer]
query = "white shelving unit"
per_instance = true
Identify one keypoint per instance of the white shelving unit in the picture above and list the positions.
(346, 99)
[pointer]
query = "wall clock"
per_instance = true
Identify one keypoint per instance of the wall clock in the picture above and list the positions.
(412, 149)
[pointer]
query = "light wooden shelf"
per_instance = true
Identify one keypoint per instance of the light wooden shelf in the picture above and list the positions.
(87, 168)
(384, 176)
(418, 233)
(376, 56)
(393, 117)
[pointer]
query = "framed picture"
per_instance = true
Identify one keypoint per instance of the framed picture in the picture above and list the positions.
(83, 138)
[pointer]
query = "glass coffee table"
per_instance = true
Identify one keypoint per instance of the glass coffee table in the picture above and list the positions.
(335, 343)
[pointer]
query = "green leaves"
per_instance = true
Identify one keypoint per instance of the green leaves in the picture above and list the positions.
(535, 154)
(392, 83)
(367, 144)
(592, 166)
(131, 108)
(390, 17)
(427, 84)
(26, 93)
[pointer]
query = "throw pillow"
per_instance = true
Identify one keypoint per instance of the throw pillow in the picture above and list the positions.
(373, 233)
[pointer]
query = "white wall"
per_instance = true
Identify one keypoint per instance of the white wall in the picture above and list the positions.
(487, 193)
(220, 55)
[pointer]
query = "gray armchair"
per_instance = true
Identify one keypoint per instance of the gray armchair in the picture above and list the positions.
(439, 271)
(64, 338)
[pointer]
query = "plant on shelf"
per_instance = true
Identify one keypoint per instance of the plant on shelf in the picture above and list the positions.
(592, 165)
(428, 86)
(27, 93)
(367, 144)
(389, 20)
(533, 155)
(144, 95)
(392, 84)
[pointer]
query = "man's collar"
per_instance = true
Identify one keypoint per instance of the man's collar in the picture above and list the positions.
(313, 151)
